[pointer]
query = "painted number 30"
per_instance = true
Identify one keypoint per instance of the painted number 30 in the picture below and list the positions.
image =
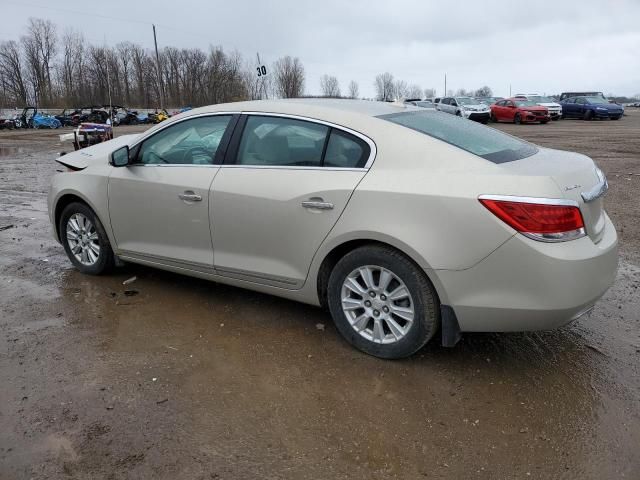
(262, 70)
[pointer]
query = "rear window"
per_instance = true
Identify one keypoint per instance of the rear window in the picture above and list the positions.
(486, 142)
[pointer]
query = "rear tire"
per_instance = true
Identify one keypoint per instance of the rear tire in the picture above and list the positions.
(85, 240)
(387, 321)
(615, 118)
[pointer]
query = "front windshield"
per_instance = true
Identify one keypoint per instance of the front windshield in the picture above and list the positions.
(597, 100)
(466, 101)
(486, 142)
(525, 103)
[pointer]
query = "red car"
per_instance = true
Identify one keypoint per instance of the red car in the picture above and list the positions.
(519, 111)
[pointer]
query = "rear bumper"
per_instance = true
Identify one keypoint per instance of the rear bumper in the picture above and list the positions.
(529, 285)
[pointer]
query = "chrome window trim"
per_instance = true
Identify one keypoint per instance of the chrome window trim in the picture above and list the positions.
(539, 200)
(373, 151)
(293, 167)
(372, 146)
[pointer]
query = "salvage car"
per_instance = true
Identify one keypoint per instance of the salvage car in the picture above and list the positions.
(590, 108)
(516, 110)
(402, 221)
(555, 109)
(466, 107)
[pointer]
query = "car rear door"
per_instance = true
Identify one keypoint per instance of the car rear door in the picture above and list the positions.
(159, 204)
(283, 186)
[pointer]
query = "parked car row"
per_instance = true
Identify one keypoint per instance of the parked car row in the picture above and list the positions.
(526, 107)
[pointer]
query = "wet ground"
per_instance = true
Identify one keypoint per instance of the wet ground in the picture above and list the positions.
(175, 378)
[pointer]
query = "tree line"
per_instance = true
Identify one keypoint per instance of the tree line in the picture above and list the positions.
(49, 68)
(52, 69)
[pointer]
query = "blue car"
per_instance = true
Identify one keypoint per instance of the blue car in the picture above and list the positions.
(590, 107)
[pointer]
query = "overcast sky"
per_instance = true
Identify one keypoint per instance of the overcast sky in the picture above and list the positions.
(534, 46)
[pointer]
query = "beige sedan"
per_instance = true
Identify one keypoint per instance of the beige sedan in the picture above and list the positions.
(403, 222)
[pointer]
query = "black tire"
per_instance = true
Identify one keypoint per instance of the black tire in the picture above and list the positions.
(458, 114)
(544, 122)
(106, 259)
(517, 119)
(426, 306)
(493, 118)
(555, 119)
(615, 118)
(588, 115)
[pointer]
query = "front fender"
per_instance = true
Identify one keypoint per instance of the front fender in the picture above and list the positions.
(90, 188)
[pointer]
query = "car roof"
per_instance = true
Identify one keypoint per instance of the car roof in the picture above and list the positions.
(339, 111)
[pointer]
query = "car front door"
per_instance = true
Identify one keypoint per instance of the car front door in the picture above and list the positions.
(283, 186)
(580, 106)
(159, 203)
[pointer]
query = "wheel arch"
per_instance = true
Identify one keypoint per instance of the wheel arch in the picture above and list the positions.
(338, 249)
(68, 197)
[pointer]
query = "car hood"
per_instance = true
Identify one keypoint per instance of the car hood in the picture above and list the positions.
(81, 159)
(550, 104)
(476, 106)
(532, 108)
(608, 106)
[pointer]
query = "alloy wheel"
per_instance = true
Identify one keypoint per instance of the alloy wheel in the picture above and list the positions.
(82, 238)
(377, 304)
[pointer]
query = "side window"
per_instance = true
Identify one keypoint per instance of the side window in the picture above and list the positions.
(445, 101)
(581, 100)
(453, 102)
(346, 151)
(500, 103)
(279, 141)
(190, 142)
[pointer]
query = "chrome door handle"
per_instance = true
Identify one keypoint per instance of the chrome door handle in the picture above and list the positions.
(189, 196)
(318, 205)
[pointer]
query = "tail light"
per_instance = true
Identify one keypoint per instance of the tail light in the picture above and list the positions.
(545, 220)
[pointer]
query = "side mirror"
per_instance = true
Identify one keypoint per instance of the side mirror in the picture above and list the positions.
(120, 158)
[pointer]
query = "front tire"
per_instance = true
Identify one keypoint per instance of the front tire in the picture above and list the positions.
(588, 115)
(382, 303)
(517, 119)
(85, 240)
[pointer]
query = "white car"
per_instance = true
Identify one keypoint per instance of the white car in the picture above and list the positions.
(555, 109)
(402, 221)
(466, 107)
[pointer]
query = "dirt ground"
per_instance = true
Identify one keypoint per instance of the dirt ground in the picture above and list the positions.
(194, 380)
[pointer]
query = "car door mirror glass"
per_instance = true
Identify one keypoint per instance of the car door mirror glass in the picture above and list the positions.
(120, 158)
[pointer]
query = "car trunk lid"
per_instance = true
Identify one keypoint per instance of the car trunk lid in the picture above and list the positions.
(578, 179)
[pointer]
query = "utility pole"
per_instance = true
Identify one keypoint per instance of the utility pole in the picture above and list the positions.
(509, 90)
(155, 42)
(444, 94)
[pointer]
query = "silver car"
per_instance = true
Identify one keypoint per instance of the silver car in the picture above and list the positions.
(404, 222)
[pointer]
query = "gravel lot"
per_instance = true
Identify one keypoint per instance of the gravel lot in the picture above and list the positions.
(190, 379)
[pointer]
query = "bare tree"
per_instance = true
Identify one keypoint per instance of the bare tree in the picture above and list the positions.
(429, 92)
(461, 92)
(40, 45)
(354, 91)
(12, 72)
(415, 91)
(484, 92)
(70, 70)
(384, 85)
(329, 86)
(400, 90)
(288, 77)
